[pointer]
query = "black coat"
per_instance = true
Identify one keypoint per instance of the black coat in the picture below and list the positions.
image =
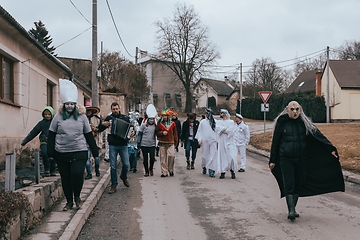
(185, 133)
(322, 171)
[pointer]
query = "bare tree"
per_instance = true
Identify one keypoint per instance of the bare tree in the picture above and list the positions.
(349, 51)
(184, 47)
(265, 75)
(122, 76)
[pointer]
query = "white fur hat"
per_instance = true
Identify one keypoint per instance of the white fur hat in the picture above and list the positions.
(68, 91)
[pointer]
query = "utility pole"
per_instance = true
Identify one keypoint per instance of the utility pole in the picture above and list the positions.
(136, 55)
(240, 87)
(94, 81)
(327, 86)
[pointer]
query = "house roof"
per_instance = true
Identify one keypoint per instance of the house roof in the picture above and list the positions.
(346, 72)
(220, 87)
(305, 83)
(12, 22)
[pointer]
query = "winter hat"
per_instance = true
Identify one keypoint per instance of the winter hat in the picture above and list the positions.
(68, 91)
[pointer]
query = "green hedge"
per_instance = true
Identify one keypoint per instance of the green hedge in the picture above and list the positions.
(313, 106)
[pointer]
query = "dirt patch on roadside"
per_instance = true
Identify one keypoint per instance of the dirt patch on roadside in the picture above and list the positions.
(345, 137)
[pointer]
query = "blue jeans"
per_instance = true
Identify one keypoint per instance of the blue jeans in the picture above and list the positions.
(48, 164)
(88, 165)
(124, 155)
(193, 144)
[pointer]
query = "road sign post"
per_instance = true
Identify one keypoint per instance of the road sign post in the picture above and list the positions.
(265, 95)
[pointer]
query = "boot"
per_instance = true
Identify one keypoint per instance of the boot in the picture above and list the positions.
(232, 174)
(222, 176)
(192, 165)
(291, 207)
(296, 197)
(188, 165)
(211, 173)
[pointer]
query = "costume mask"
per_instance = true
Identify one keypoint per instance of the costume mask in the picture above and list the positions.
(293, 109)
(151, 121)
(70, 106)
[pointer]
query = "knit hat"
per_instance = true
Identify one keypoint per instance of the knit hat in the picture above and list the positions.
(68, 91)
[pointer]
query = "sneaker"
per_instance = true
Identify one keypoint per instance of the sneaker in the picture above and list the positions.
(46, 174)
(112, 190)
(77, 202)
(204, 170)
(192, 165)
(68, 206)
(241, 170)
(211, 173)
(89, 176)
(126, 183)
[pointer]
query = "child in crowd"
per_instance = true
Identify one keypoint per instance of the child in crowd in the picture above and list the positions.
(42, 127)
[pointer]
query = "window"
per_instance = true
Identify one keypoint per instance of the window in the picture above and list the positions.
(49, 94)
(6, 80)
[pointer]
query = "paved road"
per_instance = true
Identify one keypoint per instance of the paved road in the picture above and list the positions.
(191, 205)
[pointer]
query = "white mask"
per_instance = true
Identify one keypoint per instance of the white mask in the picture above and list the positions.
(293, 109)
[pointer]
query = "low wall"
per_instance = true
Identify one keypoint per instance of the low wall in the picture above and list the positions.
(42, 197)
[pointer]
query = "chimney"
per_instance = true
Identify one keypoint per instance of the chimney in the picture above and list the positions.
(318, 77)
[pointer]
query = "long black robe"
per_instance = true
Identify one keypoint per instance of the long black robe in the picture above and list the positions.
(322, 171)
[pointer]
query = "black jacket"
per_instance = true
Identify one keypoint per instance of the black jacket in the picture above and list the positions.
(185, 133)
(41, 127)
(112, 138)
(322, 171)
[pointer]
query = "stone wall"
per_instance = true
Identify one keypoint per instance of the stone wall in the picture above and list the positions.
(42, 197)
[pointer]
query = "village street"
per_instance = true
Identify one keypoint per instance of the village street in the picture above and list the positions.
(191, 205)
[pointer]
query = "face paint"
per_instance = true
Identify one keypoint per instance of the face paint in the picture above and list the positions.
(151, 121)
(293, 109)
(70, 106)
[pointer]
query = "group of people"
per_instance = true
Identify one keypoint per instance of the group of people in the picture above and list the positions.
(221, 141)
(302, 159)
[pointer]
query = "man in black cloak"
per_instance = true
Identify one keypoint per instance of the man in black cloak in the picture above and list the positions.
(302, 159)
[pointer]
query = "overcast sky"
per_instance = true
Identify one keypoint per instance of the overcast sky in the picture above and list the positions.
(243, 30)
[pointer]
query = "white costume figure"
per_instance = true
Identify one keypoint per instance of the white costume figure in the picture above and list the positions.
(207, 138)
(242, 138)
(227, 154)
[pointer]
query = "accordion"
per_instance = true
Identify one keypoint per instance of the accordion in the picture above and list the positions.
(120, 128)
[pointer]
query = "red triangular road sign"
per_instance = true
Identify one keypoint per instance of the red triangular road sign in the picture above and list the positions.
(265, 95)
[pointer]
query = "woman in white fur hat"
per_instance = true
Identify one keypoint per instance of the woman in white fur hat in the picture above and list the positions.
(69, 133)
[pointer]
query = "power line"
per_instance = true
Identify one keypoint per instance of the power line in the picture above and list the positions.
(80, 12)
(112, 17)
(74, 37)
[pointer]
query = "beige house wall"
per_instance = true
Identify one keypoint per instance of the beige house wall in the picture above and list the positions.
(32, 71)
(343, 102)
(162, 80)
